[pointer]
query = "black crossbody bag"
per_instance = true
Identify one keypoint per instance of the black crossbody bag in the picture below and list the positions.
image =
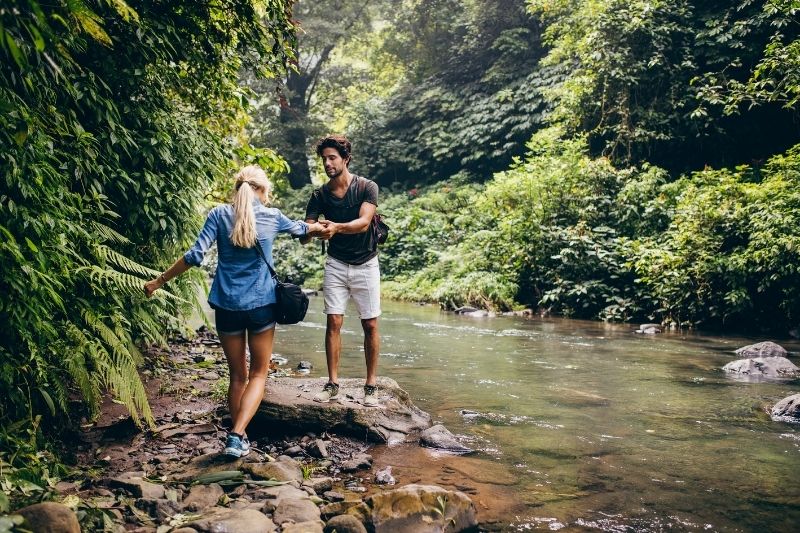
(292, 303)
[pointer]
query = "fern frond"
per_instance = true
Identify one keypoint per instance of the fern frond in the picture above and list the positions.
(79, 371)
(125, 263)
(117, 370)
(127, 283)
(108, 234)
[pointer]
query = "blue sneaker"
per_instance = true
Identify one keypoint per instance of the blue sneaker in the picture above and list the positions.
(236, 446)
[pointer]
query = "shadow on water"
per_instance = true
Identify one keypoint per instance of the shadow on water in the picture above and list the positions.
(582, 425)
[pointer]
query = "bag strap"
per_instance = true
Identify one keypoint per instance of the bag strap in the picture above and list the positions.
(264, 257)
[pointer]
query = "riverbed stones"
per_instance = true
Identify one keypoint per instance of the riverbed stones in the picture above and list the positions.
(762, 349)
(50, 517)
(344, 524)
(296, 510)
(289, 403)
(319, 484)
(314, 526)
(359, 461)
(769, 367)
(419, 509)
(284, 469)
(134, 483)
(440, 437)
(649, 329)
(787, 410)
(203, 496)
(221, 520)
(204, 464)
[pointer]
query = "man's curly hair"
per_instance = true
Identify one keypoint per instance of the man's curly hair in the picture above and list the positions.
(339, 143)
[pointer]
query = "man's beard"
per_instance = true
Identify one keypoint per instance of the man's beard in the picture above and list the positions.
(336, 173)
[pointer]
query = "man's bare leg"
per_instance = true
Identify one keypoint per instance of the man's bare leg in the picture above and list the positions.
(333, 346)
(372, 348)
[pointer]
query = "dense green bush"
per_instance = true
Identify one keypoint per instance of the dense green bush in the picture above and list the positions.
(730, 255)
(570, 233)
(115, 121)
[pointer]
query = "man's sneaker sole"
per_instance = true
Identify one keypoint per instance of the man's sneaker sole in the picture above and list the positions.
(331, 399)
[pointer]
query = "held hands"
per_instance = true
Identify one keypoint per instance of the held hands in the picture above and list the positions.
(327, 229)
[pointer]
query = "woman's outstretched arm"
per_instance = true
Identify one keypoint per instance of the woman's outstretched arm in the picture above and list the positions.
(178, 267)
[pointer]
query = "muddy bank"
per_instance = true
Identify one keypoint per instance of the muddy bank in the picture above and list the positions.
(311, 465)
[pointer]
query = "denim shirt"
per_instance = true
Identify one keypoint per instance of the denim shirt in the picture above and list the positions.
(243, 280)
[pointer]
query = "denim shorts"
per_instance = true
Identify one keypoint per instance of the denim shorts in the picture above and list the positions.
(253, 320)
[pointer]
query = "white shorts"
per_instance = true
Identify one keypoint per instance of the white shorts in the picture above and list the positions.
(362, 282)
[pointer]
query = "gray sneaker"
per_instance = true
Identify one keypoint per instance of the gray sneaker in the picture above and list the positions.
(329, 392)
(370, 396)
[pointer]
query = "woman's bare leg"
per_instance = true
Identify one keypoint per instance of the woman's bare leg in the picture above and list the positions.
(253, 393)
(234, 348)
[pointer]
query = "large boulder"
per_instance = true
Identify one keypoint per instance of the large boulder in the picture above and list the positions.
(296, 511)
(787, 410)
(768, 367)
(440, 437)
(419, 509)
(762, 349)
(50, 517)
(289, 403)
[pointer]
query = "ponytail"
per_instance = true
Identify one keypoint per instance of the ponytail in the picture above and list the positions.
(244, 232)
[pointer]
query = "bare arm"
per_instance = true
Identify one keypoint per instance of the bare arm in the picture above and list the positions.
(314, 229)
(178, 267)
(359, 225)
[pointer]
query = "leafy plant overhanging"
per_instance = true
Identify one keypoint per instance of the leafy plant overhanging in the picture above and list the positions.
(115, 120)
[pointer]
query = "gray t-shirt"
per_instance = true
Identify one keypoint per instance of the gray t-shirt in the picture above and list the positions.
(355, 248)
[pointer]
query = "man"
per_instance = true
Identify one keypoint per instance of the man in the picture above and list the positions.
(348, 203)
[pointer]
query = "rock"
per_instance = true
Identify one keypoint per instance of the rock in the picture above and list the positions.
(210, 376)
(184, 530)
(296, 511)
(305, 365)
(440, 437)
(384, 476)
(204, 464)
(762, 349)
(313, 526)
(275, 495)
(279, 470)
(413, 509)
(203, 496)
(344, 524)
(222, 520)
(479, 313)
(465, 309)
(770, 367)
(50, 517)
(787, 410)
(67, 487)
(333, 496)
(334, 509)
(290, 404)
(649, 329)
(318, 449)
(134, 483)
(309, 292)
(319, 484)
(162, 510)
(358, 462)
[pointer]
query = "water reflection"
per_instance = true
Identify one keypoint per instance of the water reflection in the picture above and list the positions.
(601, 428)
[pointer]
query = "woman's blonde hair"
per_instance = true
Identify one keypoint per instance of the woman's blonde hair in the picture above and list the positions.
(249, 179)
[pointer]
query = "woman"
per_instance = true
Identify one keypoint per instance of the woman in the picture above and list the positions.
(243, 291)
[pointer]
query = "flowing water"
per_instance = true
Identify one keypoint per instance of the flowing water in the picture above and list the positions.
(582, 425)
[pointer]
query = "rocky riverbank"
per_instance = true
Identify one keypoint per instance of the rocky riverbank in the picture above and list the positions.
(312, 468)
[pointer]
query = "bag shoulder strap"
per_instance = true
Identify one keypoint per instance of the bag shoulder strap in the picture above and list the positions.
(264, 257)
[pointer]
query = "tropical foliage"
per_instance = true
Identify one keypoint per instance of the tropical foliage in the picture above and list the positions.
(116, 119)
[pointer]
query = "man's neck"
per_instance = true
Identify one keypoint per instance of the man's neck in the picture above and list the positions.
(341, 181)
